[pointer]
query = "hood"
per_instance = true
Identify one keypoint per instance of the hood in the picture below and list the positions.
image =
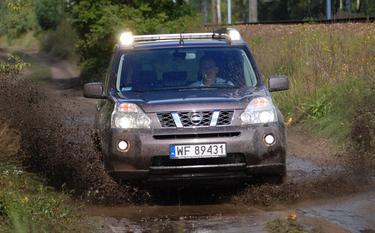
(186, 99)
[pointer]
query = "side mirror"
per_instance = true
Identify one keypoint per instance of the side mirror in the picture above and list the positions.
(278, 83)
(93, 90)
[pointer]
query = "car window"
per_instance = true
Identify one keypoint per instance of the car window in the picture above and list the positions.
(159, 69)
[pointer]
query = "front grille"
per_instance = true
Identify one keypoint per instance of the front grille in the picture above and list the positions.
(195, 119)
(158, 161)
(199, 135)
(166, 120)
(185, 118)
(225, 118)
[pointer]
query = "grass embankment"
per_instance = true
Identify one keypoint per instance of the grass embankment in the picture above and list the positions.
(331, 69)
(27, 204)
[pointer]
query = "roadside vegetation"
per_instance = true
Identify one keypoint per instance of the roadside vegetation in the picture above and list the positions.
(85, 31)
(27, 204)
(287, 226)
(331, 69)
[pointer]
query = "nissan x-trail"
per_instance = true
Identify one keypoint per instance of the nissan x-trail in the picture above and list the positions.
(188, 107)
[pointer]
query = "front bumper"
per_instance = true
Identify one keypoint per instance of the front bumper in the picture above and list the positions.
(147, 157)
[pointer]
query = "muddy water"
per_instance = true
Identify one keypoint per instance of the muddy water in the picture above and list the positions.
(202, 218)
(354, 213)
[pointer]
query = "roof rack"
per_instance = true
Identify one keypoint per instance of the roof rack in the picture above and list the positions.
(228, 34)
(181, 36)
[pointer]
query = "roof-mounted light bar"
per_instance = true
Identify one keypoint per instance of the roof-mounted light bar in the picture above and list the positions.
(230, 34)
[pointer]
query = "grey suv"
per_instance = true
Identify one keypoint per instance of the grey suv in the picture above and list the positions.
(188, 107)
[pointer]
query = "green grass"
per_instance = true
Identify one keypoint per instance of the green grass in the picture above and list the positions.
(330, 68)
(286, 226)
(28, 205)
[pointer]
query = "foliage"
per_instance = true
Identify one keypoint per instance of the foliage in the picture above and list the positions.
(13, 67)
(17, 17)
(99, 23)
(49, 13)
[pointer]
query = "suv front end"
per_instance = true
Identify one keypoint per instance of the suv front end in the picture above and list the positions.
(167, 128)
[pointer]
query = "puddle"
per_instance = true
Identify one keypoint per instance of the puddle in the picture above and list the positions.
(202, 218)
(355, 213)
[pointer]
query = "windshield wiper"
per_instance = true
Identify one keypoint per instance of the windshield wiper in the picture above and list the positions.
(181, 88)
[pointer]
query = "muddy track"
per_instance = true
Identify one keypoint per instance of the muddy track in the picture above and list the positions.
(56, 125)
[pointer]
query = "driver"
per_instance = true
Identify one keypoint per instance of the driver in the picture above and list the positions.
(209, 71)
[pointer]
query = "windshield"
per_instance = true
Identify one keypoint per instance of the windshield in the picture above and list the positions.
(163, 69)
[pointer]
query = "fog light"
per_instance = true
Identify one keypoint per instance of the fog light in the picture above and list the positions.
(269, 139)
(122, 145)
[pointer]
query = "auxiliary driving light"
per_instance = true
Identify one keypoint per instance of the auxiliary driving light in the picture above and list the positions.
(126, 38)
(123, 145)
(234, 34)
(269, 139)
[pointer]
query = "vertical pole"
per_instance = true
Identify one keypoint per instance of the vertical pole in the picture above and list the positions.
(218, 8)
(253, 10)
(229, 6)
(205, 11)
(328, 9)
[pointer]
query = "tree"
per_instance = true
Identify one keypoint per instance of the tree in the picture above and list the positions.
(98, 24)
(17, 18)
(49, 13)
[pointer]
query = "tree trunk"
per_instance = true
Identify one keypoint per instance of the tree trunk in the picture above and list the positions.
(341, 5)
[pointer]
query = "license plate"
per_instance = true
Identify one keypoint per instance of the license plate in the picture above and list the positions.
(197, 151)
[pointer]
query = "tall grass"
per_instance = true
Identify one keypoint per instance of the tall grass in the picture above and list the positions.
(331, 69)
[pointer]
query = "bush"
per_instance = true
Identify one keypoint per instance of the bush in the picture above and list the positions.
(60, 43)
(49, 13)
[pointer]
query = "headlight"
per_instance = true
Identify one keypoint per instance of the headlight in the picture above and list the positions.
(259, 111)
(129, 116)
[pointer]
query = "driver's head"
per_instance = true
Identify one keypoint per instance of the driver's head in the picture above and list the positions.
(208, 67)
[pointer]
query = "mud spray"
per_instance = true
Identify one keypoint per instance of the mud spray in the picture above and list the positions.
(57, 143)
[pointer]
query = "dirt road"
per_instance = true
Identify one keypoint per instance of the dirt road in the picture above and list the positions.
(318, 191)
